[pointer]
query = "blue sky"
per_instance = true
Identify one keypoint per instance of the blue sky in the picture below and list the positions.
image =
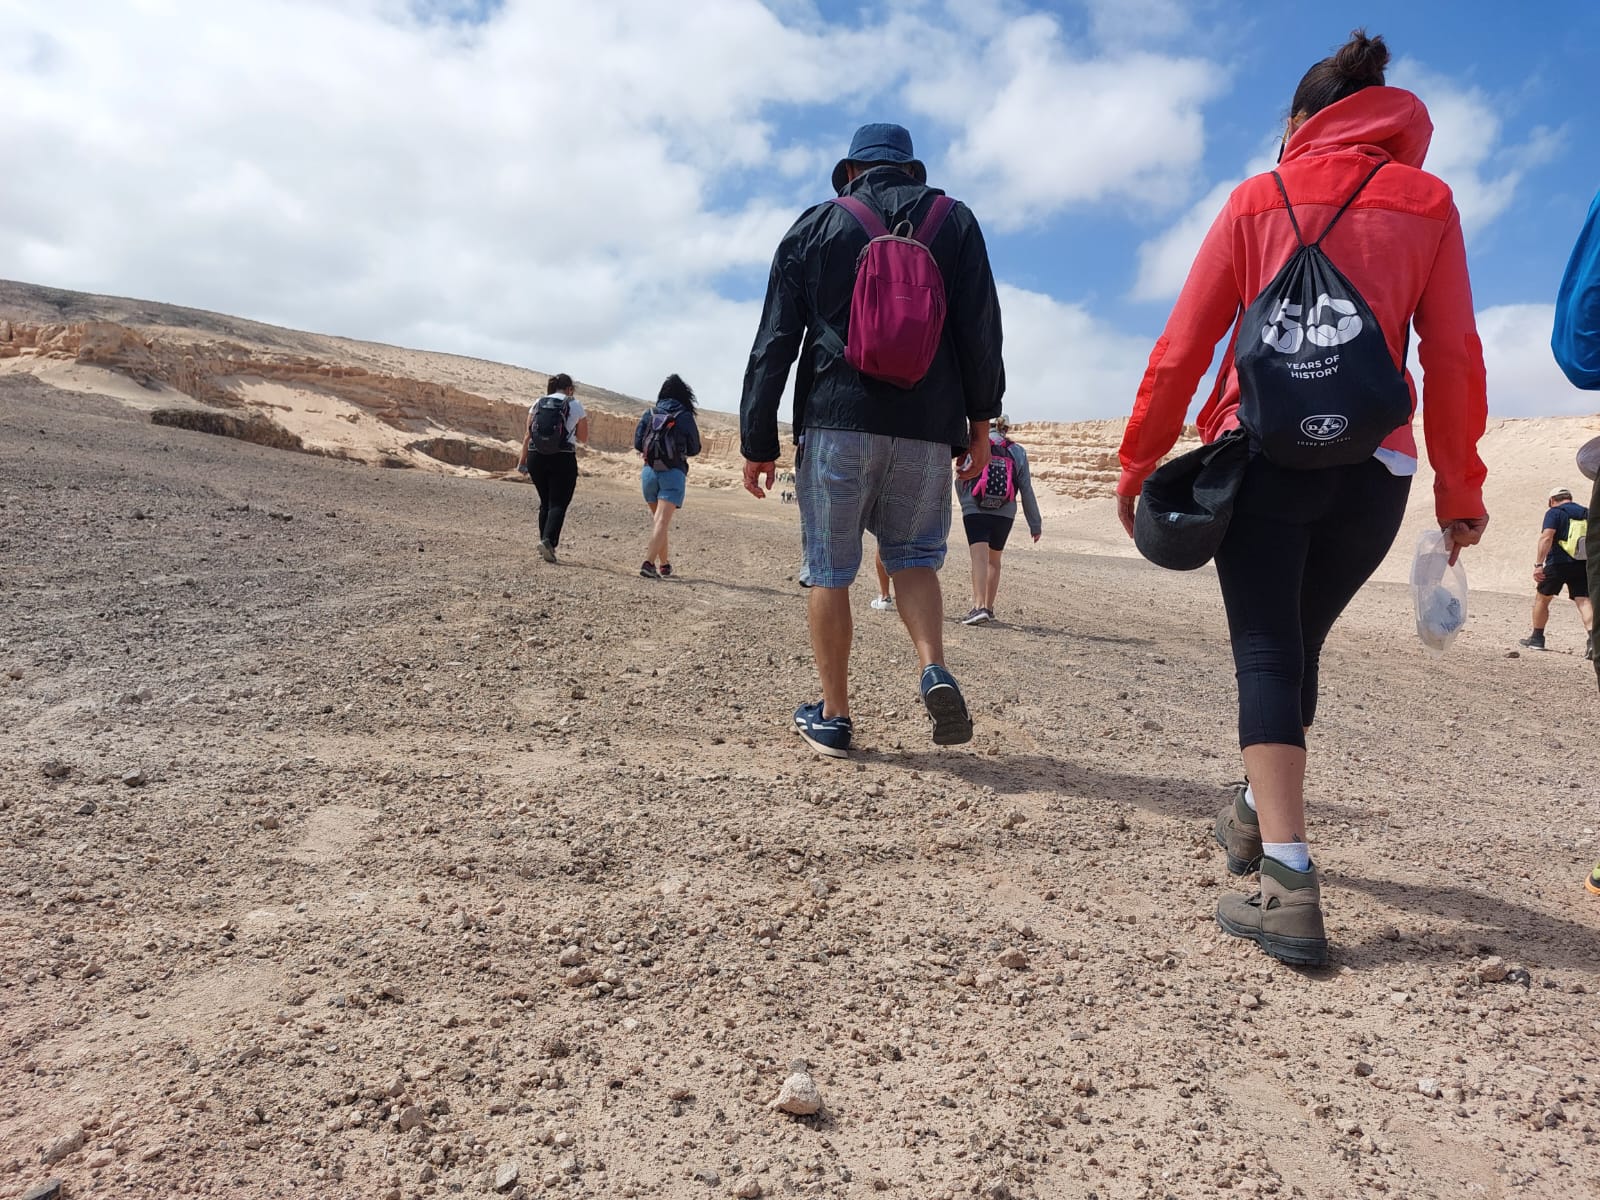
(598, 187)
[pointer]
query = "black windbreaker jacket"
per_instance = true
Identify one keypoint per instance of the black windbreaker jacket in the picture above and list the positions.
(808, 302)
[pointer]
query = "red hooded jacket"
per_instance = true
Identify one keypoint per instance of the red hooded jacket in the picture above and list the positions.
(1400, 245)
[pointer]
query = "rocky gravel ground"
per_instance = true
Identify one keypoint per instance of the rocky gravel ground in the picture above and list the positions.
(346, 849)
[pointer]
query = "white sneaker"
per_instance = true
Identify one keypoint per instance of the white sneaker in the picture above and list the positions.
(883, 603)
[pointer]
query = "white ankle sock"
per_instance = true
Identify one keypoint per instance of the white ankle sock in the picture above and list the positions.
(1294, 855)
(1249, 798)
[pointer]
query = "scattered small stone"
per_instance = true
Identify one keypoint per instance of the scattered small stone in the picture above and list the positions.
(1493, 969)
(1363, 1070)
(100, 1159)
(578, 693)
(572, 956)
(1513, 653)
(1249, 1000)
(410, 1117)
(1014, 958)
(87, 808)
(50, 1189)
(1429, 1087)
(134, 779)
(707, 1176)
(506, 1176)
(747, 1188)
(799, 1095)
(269, 822)
(56, 769)
(67, 1144)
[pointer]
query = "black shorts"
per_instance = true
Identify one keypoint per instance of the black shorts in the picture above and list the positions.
(1574, 576)
(986, 527)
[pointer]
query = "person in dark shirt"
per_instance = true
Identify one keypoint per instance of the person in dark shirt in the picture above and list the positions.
(876, 454)
(665, 479)
(1554, 568)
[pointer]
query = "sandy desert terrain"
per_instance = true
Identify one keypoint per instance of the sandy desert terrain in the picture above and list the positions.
(349, 850)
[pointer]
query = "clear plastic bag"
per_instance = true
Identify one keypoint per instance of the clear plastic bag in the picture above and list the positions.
(1438, 592)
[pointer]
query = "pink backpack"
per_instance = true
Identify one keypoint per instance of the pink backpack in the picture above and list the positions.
(898, 307)
(997, 486)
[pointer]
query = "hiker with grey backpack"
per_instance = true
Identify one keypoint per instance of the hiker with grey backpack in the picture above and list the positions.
(666, 438)
(1320, 268)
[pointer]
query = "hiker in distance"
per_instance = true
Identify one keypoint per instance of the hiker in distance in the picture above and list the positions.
(989, 509)
(1316, 378)
(557, 422)
(1560, 562)
(895, 381)
(666, 438)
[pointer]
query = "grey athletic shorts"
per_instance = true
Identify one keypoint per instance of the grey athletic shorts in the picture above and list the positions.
(849, 482)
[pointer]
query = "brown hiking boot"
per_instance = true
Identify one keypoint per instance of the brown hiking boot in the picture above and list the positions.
(1284, 918)
(1239, 833)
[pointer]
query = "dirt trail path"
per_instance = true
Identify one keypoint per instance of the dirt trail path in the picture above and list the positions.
(434, 860)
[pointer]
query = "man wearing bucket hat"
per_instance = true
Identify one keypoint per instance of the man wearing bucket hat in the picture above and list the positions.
(892, 383)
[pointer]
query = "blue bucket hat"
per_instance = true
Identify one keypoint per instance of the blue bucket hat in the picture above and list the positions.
(881, 143)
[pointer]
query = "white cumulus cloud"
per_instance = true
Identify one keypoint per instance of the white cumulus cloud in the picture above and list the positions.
(1524, 380)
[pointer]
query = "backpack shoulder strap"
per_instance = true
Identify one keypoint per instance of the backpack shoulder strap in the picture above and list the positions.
(934, 221)
(1284, 192)
(1346, 204)
(865, 217)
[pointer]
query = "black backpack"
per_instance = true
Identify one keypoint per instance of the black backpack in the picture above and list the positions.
(663, 444)
(1317, 385)
(547, 427)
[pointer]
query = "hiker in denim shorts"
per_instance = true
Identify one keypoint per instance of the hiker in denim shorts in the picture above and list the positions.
(877, 453)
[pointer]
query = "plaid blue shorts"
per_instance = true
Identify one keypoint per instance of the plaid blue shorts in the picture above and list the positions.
(849, 482)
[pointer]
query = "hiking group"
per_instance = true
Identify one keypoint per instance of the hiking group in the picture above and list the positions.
(883, 301)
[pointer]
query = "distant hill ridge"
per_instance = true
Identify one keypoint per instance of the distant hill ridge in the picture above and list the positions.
(421, 408)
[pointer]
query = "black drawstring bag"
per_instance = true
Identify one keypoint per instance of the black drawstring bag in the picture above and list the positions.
(1186, 504)
(1317, 385)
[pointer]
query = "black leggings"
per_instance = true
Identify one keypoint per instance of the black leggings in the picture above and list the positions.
(1300, 545)
(556, 477)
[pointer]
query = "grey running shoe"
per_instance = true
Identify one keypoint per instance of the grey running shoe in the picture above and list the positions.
(547, 551)
(1284, 918)
(1534, 641)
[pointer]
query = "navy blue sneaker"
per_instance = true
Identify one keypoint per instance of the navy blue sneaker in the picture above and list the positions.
(952, 724)
(827, 735)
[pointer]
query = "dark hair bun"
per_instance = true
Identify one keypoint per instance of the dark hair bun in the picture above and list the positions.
(1362, 59)
(1357, 64)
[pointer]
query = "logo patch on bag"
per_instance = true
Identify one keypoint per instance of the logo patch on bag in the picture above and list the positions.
(1324, 428)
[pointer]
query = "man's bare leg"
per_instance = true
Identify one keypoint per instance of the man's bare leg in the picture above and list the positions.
(831, 631)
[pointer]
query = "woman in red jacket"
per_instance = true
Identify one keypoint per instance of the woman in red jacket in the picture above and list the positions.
(1302, 542)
